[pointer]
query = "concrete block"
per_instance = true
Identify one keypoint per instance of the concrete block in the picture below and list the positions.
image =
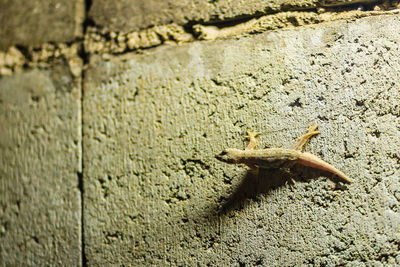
(33, 23)
(155, 195)
(40, 155)
(134, 15)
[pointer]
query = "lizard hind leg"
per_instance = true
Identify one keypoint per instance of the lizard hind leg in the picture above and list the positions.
(301, 141)
(251, 136)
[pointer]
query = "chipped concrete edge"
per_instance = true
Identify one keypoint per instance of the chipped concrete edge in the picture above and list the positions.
(97, 41)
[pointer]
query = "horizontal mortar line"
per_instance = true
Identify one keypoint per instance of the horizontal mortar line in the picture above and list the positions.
(114, 43)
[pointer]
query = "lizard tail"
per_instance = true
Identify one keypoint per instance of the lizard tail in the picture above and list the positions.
(310, 160)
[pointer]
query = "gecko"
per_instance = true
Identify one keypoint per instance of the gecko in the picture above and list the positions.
(271, 158)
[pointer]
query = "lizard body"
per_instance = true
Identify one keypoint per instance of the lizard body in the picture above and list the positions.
(278, 157)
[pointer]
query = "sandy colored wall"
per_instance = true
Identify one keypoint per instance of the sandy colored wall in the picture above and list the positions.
(109, 135)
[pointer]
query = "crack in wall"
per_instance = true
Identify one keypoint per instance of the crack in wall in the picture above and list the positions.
(81, 189)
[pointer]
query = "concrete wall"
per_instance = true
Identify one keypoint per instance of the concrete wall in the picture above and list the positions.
(107, 155)
(40, 160)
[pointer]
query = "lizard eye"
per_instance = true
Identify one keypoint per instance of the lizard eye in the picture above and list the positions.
(223, 153)
(221, 156)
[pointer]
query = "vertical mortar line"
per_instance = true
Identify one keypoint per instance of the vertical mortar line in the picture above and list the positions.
(81, 186)
(80, 175)
(85, 56)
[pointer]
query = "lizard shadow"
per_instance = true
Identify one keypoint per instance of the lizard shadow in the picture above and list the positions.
(267, 180)
(251, 186)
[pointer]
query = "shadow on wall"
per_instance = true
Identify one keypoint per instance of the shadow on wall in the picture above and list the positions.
(266, 181)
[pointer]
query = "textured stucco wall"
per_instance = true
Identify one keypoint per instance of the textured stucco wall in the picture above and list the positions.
(32, 23)
(154, 194)
(40, 158)
(133, 180)
(128, 15)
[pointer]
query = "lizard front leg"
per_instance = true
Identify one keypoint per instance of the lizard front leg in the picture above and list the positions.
(251, 136)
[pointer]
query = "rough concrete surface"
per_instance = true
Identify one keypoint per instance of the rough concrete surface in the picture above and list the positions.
(155, 195)
(40, 155)
(284, 20)
(133, 15)
(33, 23)
(101, 41)
(128, 15)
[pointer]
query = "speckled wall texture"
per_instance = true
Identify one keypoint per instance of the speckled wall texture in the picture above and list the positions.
(156, 195)
(111, 119)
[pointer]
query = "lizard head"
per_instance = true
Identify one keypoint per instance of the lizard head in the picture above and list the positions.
(229, 155)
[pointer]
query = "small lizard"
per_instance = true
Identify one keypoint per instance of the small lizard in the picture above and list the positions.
(278, 157)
